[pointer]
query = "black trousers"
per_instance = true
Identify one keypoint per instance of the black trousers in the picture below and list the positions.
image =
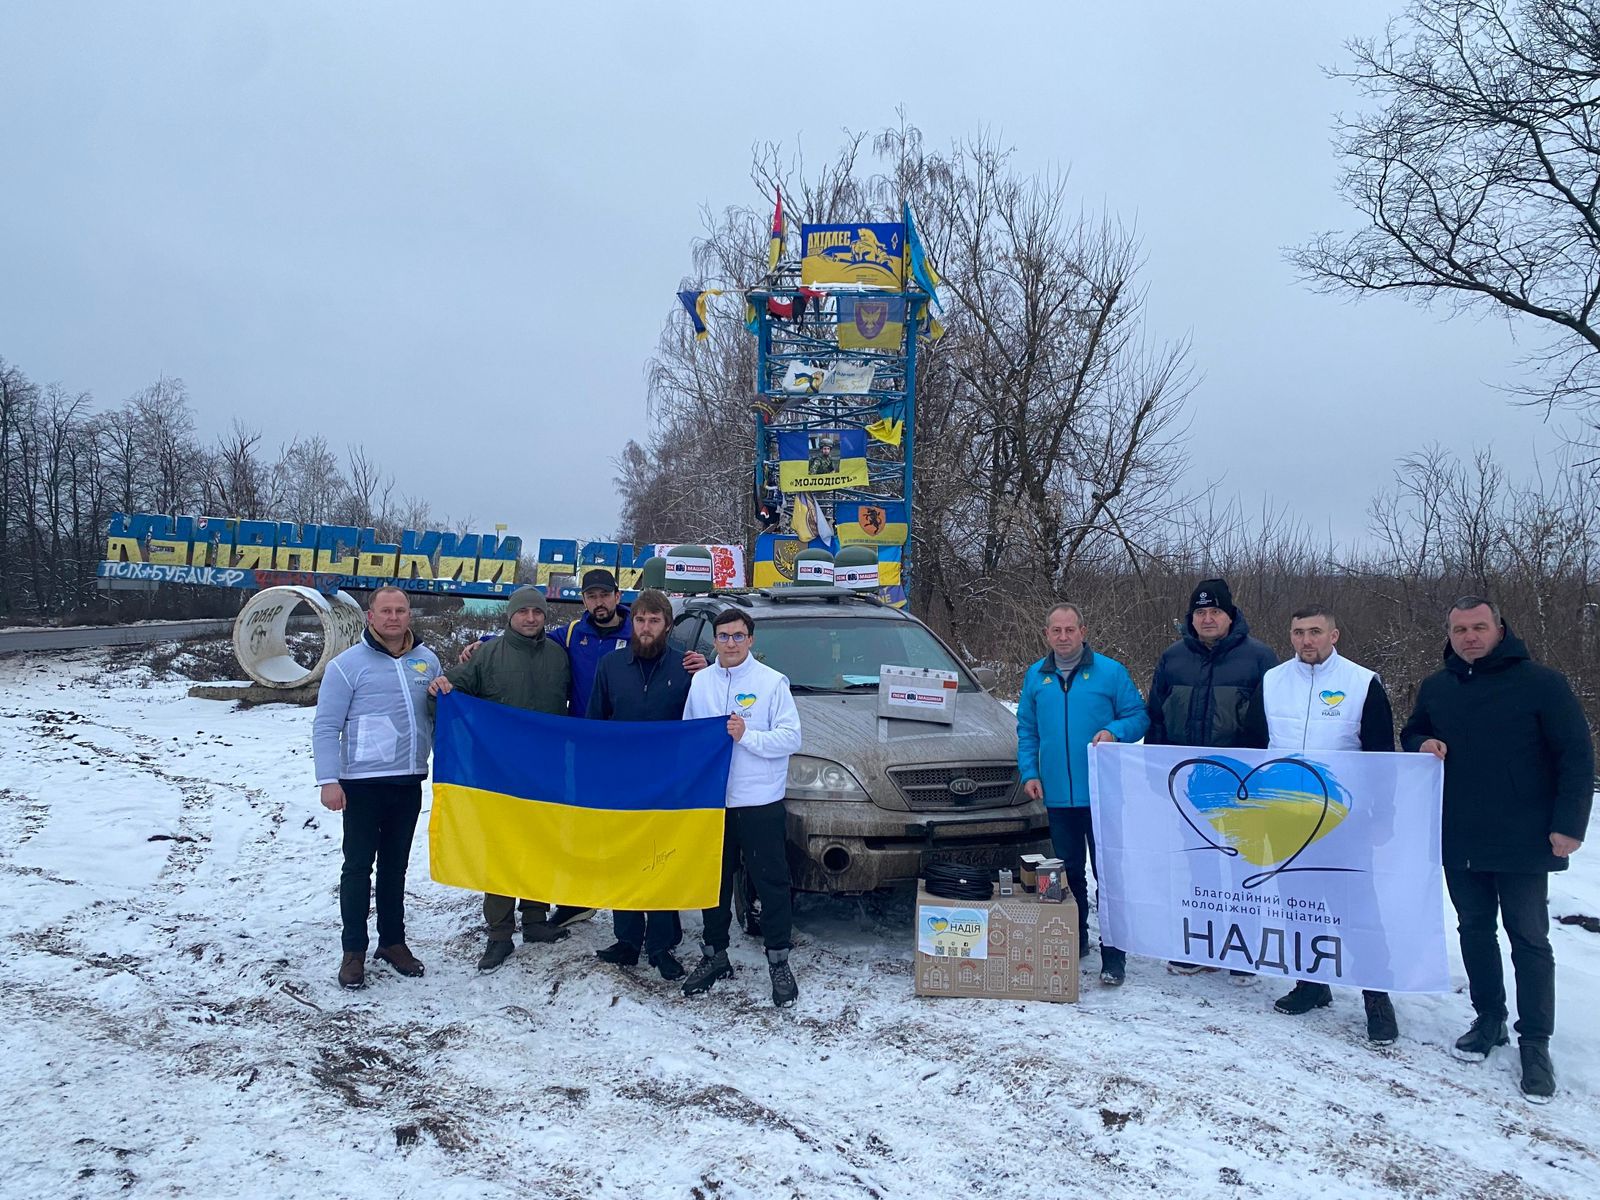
(380, 815)
(1072, 838)
(652, 931)
(757, 835)
(1522, 901)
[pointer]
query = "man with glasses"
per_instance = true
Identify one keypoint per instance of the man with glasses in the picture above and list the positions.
(1518, 786)
(765, 727)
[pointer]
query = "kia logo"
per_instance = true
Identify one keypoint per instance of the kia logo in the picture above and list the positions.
(963, 786)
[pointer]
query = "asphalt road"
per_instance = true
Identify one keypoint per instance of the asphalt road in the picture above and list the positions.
(109, 635)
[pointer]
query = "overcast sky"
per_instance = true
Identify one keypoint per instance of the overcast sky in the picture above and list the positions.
(452, 231)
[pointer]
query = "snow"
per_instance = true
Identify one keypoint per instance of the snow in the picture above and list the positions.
(170, 1026)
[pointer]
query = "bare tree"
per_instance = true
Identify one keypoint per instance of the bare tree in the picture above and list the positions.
(1477, 168)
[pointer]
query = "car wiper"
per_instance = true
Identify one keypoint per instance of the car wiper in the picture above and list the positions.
(807, 688)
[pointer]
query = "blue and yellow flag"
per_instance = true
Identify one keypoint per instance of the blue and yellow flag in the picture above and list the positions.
(602, 814)
(871, 322)
(862, 253)
(694, 304)
(891, 585)
(924, 275)
(773, 563)
(870, 524)
(822, 460)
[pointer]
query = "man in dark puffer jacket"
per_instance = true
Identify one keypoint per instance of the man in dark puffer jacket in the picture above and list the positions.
(1203, 687)
(1518, 787)
(1204, 682)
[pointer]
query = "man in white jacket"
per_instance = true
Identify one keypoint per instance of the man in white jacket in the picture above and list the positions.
(765, 727)
(1320, 700)
(371, 739)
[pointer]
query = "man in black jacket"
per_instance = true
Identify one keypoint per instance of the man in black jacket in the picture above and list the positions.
(1518, 780)
(1204, 682)
(1202, 688)
(643, 681)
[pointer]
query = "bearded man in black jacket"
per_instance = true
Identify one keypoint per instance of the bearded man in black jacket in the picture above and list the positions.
(1518, 786)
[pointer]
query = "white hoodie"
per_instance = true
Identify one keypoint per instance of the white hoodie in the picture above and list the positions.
(759, 771)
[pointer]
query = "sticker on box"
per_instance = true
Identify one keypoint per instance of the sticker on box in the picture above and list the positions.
(952, 932)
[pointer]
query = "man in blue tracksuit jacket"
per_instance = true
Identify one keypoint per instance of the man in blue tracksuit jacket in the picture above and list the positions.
(605, 626)
(1073, 698)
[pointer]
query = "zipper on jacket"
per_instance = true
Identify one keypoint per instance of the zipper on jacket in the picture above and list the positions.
(1305, 732)
(411, 711)
(1066, 720)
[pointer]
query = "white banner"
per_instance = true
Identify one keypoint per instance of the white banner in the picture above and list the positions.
(1321, 867)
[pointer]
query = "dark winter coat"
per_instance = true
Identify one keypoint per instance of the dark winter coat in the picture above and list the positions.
(639, 689)
(1200, 695)
(522, 672)
(1518, 765)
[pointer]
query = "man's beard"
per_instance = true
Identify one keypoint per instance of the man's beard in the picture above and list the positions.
(652, 648)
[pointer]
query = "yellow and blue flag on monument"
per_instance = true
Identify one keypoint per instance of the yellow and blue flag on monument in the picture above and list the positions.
(871, 322)
(871, 254)
(695, 304)
(923, 274)
(891, 584)
(600, 814)
(822, 460)
(774, 559)
(868, 524)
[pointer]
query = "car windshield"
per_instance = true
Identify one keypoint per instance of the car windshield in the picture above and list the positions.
(844, 654)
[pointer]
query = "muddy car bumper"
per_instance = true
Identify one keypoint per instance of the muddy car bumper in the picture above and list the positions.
(845, 847)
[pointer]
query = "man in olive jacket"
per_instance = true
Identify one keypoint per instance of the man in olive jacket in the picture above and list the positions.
(522, 669)
(1518, 786)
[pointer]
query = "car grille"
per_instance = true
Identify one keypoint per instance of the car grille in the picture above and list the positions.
(928, 788)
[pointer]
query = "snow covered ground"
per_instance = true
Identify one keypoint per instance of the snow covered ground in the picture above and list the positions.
(170, 1026)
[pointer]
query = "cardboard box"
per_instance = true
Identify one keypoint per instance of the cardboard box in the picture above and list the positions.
(1016, 948)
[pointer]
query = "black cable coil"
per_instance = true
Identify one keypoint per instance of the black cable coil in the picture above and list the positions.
(959, 881)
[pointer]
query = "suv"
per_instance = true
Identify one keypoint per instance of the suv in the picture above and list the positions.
(871, 800)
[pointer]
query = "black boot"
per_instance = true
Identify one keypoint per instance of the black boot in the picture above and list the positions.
(620, 954)
(1382, 1027)
(667, 963)
(1538, 1074)
(1303, 998)
(785, 991)
(713, 965)
(494, 954)
(1477, 1043)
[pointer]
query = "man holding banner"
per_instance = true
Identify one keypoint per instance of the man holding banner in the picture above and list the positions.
(1319, 700)
(764, 725)
(1072, 699)
(1202, 688)
(644, 681)
(1518, 787)
(524, 669)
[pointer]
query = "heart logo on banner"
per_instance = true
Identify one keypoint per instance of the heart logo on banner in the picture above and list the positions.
(1268, 815)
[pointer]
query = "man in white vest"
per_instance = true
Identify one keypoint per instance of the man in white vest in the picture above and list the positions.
(1320, 700)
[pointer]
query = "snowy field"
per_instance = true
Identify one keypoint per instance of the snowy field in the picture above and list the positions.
(170, 1026)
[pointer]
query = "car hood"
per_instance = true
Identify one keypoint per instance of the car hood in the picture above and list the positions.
(848, 730)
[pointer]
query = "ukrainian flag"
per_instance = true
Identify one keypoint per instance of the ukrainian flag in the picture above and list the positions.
(694, 303)
(603, 814)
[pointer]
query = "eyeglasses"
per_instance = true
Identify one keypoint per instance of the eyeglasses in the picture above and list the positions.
(735, 638)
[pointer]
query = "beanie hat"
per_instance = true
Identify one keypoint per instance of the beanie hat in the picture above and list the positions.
(1213, 593)
(526, 596)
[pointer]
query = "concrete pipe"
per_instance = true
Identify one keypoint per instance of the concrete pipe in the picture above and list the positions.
(260, 635)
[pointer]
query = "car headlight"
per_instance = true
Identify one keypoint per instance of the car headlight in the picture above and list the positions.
(821, 779)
